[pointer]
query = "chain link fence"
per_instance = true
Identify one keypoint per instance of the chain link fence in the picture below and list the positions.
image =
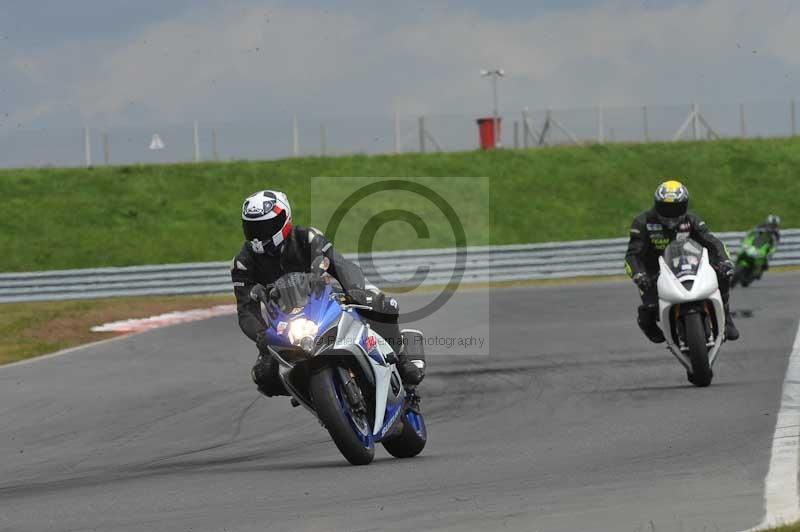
(308, 136)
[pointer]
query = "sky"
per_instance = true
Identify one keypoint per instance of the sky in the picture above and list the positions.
(114, 62)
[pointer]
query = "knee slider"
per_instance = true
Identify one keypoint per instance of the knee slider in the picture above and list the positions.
(261, 373)
(265, 374)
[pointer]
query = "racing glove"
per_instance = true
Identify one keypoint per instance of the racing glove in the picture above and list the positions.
(259, 293)
(726, 268)
(359, 296)
(263, 294)
(364, 297)
(642, 280)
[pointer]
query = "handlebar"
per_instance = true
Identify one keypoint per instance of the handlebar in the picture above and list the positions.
(342, 298)
(348, 306)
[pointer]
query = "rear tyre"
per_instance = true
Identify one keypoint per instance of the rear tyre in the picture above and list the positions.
(696, 339)
(350, 431)
(412, 438)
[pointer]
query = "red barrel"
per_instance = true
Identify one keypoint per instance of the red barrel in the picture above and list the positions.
(486, 132)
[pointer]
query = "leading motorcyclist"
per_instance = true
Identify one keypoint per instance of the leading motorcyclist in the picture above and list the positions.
(273, 247)
(651, 232)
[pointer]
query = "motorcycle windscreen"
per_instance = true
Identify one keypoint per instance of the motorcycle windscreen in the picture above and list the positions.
(683, 257)
(291, 291)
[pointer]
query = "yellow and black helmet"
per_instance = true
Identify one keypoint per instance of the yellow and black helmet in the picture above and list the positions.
(671, 202)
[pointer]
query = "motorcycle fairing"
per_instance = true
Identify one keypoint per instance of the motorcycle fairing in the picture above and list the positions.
(754, 251)
(321, 309)
(353, 336)
(671, 292)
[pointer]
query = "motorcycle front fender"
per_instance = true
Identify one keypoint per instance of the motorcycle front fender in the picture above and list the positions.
(667, 314)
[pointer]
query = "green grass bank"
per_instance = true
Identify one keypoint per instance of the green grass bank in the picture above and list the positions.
(58, 218)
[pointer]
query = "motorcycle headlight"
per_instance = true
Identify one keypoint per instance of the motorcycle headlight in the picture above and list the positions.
(302, 332)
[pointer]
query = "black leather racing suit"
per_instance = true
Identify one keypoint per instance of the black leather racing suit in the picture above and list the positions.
(775, 239)
(648, 240)
(296, 254)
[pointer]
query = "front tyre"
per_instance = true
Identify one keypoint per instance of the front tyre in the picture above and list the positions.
(412, 438)
(742, 275)
(349, 430)
(696, 339)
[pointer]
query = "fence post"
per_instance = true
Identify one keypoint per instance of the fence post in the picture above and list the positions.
(695, 130)
(106, 149)
(214, 152)
(545, 129)
(396, 133)
(87, 146)
(196, 139)
(422, 134)
(645, 127)
(600, 126)
(323, 141)
(295, 137)
(516, 135)
(525, 129)
(794, 121)
(742, 123)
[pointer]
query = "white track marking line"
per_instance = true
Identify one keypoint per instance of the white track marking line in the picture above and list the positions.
(165, 320)
(155, 322)
(781, 499)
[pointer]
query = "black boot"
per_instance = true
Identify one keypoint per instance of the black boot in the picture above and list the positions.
(653, 333)
(647, 323)
(411, 371)
(731, 332)
(411, 358)
(265, 375)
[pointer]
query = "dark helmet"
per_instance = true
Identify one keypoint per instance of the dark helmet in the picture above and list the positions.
(773, 220)
(671, 202)
(266, 221)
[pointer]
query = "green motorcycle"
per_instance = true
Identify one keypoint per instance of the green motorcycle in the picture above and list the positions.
(757, 247)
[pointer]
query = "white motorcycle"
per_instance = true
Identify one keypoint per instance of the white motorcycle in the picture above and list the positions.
(691, 311)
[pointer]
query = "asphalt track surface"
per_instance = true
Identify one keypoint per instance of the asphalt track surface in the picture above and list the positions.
(574, 422)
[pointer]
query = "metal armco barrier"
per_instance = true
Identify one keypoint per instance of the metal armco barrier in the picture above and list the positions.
(395, 268)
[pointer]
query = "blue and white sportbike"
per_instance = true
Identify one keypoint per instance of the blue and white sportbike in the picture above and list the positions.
(337, 367)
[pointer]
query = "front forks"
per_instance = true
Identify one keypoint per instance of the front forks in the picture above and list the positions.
(352, 391)
(680, 328)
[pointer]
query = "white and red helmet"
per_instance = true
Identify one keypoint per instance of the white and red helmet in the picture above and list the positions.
(266, 221)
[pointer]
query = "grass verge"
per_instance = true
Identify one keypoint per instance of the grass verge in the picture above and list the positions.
(32, 329)
(785, 528)
(151, 214)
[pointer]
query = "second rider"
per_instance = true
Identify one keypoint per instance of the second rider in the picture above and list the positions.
(651, 232)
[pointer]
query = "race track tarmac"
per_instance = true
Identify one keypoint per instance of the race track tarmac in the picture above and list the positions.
(573, 422)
